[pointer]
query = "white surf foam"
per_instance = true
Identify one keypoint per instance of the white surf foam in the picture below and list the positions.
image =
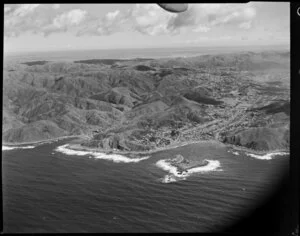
(268, 156)
(168, 179)
(63, 149)
(166, 166)
(6, 148)
(233, 152)
(212, 165)
(98, 155)
(119, 158)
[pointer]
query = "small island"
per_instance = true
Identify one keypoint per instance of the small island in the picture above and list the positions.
(183, 165)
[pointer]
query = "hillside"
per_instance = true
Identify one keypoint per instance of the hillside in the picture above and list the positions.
(140, 104)
(262, 138)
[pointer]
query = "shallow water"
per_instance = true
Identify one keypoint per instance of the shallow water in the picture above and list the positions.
(49, 191)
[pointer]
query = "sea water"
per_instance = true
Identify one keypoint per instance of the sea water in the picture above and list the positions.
(49, 188)
(154, 53)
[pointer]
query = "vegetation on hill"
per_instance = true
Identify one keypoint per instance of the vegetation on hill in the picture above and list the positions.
(140, 104)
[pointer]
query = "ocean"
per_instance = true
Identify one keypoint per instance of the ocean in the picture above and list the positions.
(49, 190)
(72, 55)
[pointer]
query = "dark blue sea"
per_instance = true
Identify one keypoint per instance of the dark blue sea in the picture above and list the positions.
(47, 191)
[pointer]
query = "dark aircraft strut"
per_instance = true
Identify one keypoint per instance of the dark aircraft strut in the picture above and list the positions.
(174, 7)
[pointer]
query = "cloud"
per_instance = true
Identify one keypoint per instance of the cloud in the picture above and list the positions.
(73, 17)
(7, 9)
(245, 25)
(196, 15)
(112, 15)
(19, 18)
(202, 29)
(65, 21)
(149, 19)
(112, 22)
(40, 19)
(201, 18)
(56, 6)
(25, 9)
(234, 15)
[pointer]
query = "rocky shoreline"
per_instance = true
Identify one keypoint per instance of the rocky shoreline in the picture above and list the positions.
(79, 147)
(253, 151)
(76, 145)
(112, 151)
(183, 164)
(10, 144)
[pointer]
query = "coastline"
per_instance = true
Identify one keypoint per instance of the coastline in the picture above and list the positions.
(173, 146)
(9, 144)
(206, 129)
(79, 147)
(257, 152)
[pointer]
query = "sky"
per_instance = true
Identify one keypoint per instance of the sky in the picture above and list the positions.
(55, 27)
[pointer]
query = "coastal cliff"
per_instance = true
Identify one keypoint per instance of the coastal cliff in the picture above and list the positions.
(261, 139)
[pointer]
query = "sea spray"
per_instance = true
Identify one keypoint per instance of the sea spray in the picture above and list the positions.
(98, 155)
(7, 148)
(268, 156)
(213, 165)
(234, 152)
(175, 174)
(168, 179)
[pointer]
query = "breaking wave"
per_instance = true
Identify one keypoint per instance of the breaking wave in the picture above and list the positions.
(98, 155)
(234, 152)
(268, 156)
(175, 174)
(168, 179)
(6, 148)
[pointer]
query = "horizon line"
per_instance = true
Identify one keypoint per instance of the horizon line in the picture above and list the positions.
(145, 48)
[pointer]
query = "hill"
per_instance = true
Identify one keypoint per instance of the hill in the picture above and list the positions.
(139, 104)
